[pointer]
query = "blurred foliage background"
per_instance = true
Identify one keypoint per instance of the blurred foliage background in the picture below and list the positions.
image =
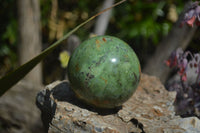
(142, 24)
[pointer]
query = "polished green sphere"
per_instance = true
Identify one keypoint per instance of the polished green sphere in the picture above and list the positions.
(104, 71)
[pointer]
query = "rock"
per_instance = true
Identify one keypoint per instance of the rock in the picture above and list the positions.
(18, 113)
(149, 110)
(190, 124)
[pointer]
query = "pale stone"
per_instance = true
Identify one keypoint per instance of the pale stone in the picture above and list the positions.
(149, 110)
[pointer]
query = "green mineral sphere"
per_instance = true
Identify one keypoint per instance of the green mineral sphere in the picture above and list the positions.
(104, 71)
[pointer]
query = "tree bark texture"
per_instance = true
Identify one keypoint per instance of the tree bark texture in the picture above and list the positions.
(103, 20)
(177, 37)
(29, 36)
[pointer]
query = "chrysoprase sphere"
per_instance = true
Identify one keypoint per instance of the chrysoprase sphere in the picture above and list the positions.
(104, 71)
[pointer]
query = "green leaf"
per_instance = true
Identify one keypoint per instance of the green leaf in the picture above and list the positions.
(12, 78)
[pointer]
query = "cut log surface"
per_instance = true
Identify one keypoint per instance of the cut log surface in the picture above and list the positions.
(149, 110)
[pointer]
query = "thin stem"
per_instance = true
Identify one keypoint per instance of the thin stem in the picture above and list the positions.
(183, 85)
